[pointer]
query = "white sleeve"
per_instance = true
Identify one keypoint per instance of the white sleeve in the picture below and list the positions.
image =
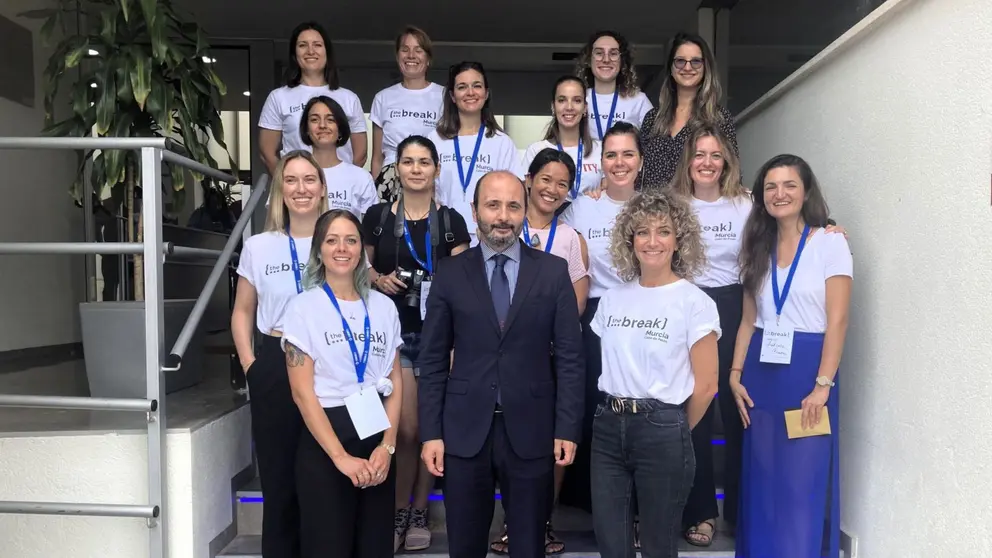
(271, 119)
(376, 114)
(568, 216)
(365, 193)
(837, 259)
(528, 158)
(644, 107)
(703, 318)
(509, 158)
(397, 333)
(356, 116)
(245, 268)
(294, 327)
(598, 322)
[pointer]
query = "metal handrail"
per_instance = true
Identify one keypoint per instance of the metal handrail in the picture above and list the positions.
(152, 153)
(37, 248)
(86, 403)
(174, 360)
(93, 510)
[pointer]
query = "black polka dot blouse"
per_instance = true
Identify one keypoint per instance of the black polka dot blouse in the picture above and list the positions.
(662, 152)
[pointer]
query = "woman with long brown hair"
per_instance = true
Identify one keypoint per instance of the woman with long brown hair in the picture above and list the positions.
(690, 96)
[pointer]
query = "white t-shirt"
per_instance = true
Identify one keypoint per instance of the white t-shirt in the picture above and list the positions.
(594, 220)
(267, 264)
(722, 222)
(592, 175)
(629, 109)
(647, 334)
(314, 325)
(495, 153)
(350, 187)
(824, 256)
(402, 113)
(283, 110)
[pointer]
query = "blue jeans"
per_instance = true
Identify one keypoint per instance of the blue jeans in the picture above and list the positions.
(410, 351)
(647, 447)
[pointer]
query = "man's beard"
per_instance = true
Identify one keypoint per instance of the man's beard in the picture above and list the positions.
(499, 243)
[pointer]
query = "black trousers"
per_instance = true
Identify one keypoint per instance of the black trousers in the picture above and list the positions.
(526, 489)
(576, 487)
(337, 518)
(701, 504)
(276, 425)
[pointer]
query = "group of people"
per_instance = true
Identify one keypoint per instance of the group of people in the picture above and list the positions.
(534, 324)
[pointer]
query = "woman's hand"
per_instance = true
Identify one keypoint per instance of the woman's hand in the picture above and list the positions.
(245, 366)
(389, 284)
(813, 406)
(742, 398)
(360, 471)
(836, 229)
(380, 461)
(597, 192)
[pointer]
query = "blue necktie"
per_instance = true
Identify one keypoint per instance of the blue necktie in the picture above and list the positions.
(500, 287)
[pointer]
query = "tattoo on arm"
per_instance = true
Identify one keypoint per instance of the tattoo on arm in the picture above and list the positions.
(294, 356)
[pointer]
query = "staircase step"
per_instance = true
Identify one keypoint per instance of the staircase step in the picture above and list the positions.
(577, 543)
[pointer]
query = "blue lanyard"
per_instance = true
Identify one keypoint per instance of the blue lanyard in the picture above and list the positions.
(361, 361)
(296, 262)
(466, 180)
(578, 167)
(780, 298)
(428, 265)
(551, 235)
(595, 112)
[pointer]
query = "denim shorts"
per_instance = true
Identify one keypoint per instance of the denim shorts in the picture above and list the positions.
(409, 351)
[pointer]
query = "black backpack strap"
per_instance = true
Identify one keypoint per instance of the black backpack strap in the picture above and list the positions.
(382, 219)
(449, 236)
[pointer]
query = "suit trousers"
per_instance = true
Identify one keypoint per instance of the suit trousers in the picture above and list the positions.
(526, 489)
(276, 425)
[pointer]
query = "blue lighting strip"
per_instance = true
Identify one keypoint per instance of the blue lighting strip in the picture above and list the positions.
(434, 497)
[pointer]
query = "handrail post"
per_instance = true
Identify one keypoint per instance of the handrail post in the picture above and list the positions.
(151, 186)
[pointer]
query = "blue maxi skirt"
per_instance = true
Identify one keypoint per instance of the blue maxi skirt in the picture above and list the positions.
(790, 489)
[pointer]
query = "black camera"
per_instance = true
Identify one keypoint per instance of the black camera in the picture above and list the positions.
(412, 279)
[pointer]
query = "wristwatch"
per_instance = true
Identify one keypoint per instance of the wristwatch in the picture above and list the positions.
(824, 381)
(389, 449)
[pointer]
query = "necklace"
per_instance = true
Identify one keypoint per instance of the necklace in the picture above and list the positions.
(409, 217)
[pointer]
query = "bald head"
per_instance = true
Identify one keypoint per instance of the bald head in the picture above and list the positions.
(502, 179)
(499, 207)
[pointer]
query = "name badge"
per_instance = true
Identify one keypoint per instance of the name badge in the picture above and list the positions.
(367, 412)
(425, 289)
(776, 344)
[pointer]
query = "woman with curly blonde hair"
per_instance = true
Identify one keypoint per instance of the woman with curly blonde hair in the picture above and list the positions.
(606, 65)
(659, 357)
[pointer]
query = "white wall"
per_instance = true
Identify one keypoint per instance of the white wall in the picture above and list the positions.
(112, 468)
(898, 131)
(38, 294)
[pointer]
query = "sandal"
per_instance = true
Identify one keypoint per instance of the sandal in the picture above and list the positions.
(501, 545)
(697, 537)
(552, 544)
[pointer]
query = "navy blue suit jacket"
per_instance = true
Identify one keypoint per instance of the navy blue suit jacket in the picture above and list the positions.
(537, 361)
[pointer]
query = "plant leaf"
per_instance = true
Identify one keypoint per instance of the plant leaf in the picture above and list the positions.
(38, 14)
(178, 177)
(126, 9)
(108, 27)
(106, 102)
(141, 79)
(76, 53)
(149, 11)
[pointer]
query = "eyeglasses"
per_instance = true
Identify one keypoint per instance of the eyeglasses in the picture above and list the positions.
(695, 63)
(600, 54)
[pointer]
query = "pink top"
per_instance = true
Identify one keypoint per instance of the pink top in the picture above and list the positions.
(566, 246)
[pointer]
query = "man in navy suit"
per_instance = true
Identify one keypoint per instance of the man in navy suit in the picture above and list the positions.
(508, 403)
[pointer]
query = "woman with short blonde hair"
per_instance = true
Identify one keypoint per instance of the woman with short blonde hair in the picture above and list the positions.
(659, 359)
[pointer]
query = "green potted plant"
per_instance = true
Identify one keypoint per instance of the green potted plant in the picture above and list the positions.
(134, 68)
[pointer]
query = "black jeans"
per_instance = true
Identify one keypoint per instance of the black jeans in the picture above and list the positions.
(337, 519)
(276, 425)
(647, 448)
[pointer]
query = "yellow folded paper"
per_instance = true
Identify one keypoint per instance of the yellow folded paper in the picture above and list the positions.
(794, 425)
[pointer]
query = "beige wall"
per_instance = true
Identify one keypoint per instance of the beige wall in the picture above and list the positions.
(898, 128)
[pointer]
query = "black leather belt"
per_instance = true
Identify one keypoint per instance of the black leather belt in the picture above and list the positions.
(628, 405)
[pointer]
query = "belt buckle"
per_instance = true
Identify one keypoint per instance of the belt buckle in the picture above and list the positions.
(617, 405)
